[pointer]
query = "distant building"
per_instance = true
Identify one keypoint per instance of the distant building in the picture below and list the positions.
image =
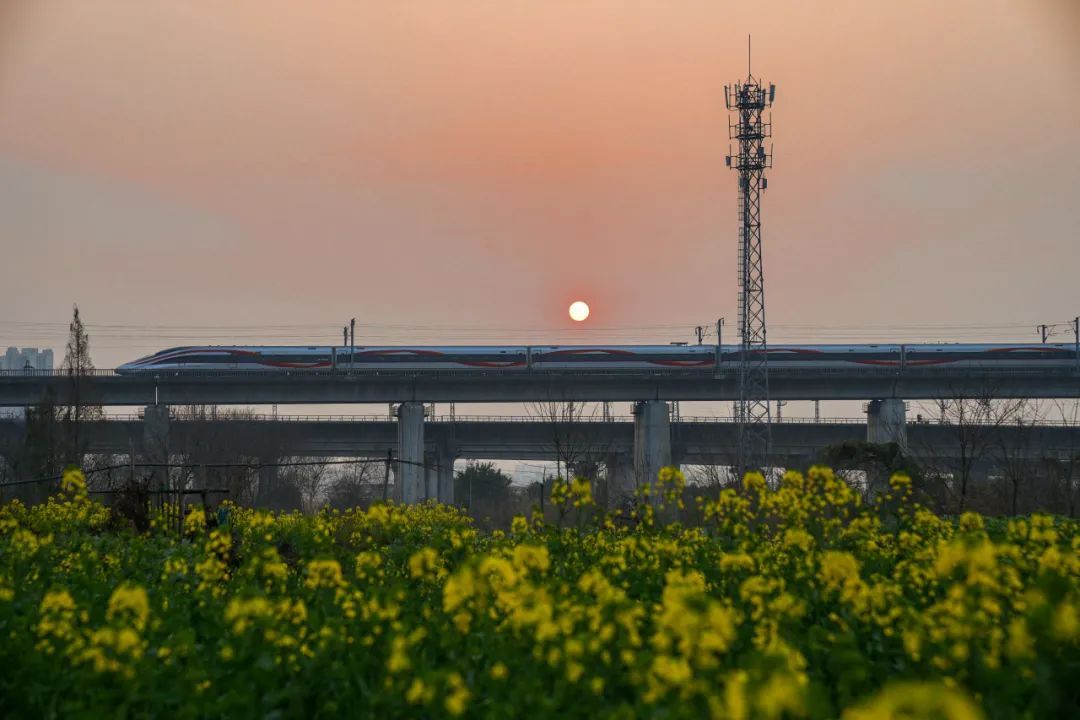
(27, 359)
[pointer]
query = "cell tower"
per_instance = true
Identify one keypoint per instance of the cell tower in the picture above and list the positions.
(747, 100)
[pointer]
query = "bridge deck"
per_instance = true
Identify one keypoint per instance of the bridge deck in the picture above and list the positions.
(307, 387)
(494, 438)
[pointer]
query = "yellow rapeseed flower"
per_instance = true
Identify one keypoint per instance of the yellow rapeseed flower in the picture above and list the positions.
(323, 574)
(457, 696)
(73, 482)
(425, 564)
(129, 603)
(532, 557)
(1065, 622)
(971, 522)
(195, 522)
(754, 481)
(902, 700)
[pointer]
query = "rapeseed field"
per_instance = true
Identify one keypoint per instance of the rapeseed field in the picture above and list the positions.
(799, 600)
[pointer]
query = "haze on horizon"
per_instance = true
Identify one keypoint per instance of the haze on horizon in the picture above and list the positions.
(462, 171)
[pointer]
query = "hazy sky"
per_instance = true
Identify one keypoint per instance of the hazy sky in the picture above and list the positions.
(430, 166)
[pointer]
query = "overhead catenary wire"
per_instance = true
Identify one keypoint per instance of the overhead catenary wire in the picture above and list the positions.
(331, 331)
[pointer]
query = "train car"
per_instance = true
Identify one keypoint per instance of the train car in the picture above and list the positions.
(1004, 356)
(225, 357)
(270, 359)
(822, 357)
(464, 357)
(623, 357)
(579, 358)
(904, 357)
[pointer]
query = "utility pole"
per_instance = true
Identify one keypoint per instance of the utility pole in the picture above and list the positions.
(1076, 341)
(719, 343)
(352, 342)
(1044, 332)
(345, 342)
(747, 100)
(700, 332)
(386, 474)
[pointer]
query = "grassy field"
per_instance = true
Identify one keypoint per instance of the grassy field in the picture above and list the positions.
(799, 601)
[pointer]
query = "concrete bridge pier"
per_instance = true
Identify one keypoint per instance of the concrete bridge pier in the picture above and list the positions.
(267, 488)
(439, 474)
(652, 440)
(886, 422)
(431, 475)
(620, 479)
(410, 483)
(156, 443)
(444, 472)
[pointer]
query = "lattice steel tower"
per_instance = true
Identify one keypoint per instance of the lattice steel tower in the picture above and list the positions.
(747, 100)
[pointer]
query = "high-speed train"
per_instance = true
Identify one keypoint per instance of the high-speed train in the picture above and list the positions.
(686, 358)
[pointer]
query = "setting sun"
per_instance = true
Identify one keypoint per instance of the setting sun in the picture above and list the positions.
(579, 311)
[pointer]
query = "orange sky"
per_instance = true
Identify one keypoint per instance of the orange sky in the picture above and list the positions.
(480, 164)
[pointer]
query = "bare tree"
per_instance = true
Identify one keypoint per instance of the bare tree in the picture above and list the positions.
(309, 480)
(12, 447)
(971, 420)
(79, 368)
(356, 485)
(216, 447)
(60, 434)
(715, 475)
(1013, 449)
(42, 447)
(1063, 471)
(574, 440)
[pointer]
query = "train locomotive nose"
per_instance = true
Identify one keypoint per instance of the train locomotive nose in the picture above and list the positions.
(142, 363)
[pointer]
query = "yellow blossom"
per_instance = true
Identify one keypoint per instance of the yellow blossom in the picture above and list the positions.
(129, 603)
(323, 574)
(426, 564)
(457, 696)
